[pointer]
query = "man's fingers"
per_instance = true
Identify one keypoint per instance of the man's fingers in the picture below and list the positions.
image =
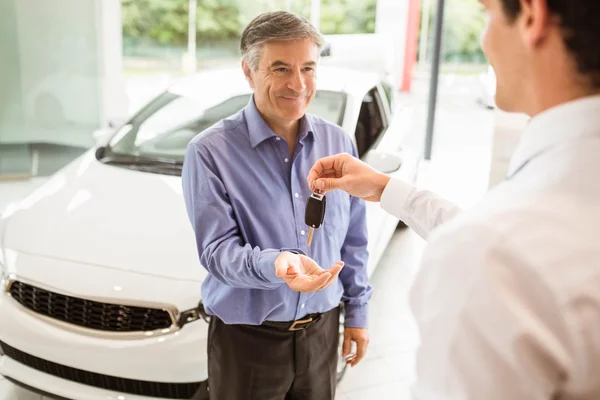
(306, 283)
(327, 283)
(310, 266)
(281, 266)
(332, 166)
(334, 271)
(361, 350)
(318, 281)
(322, 165)
(347, 346)
(337, 268)
(329, 184)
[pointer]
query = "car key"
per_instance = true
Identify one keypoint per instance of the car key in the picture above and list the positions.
(315, 213)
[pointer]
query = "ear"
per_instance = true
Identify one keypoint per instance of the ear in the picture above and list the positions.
(248, 73)
(535, 21)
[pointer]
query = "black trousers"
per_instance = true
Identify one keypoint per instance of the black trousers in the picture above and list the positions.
(247, 362)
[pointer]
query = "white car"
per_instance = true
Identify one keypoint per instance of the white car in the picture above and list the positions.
(100, 272)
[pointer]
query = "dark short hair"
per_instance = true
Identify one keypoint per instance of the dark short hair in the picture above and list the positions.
(580, 23)
(276, 25)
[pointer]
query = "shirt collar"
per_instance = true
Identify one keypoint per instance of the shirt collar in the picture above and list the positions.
(259, 131)
(561, 123)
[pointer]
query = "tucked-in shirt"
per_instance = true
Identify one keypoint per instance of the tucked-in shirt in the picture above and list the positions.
(507, 299)
(246, 197)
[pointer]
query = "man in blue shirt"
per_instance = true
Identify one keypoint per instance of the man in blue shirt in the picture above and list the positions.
(274, 330)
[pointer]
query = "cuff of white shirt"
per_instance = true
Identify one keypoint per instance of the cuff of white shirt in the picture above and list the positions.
(266, 263)
(356, 315)
(395, 196)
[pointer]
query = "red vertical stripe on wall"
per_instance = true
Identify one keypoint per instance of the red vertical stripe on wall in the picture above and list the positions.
(412, 38)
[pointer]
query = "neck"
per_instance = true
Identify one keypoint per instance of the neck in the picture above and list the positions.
(284, 128)
(552, 96)
(557, 81)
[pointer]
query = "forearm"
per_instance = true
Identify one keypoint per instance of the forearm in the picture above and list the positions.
(240, 266)
(421, 210)
(221, 249)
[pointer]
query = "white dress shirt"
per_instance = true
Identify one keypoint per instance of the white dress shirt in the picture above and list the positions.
(507, 299)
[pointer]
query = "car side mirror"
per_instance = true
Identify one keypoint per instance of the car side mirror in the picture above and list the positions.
(101, 135)
(385, 162)
(117, 123)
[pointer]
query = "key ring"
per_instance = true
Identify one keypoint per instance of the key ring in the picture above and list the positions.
(317, 191)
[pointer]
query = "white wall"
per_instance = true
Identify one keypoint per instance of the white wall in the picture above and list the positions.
(392, 20)
(67, 70)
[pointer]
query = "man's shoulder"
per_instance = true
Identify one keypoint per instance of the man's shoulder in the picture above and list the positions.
(325, 125)
(218, 131)
(325, 128)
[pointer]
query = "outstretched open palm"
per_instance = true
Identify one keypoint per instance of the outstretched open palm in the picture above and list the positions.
(303, 274)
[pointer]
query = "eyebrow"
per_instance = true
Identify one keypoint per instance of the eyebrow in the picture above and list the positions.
(283, 64)
(279, 64)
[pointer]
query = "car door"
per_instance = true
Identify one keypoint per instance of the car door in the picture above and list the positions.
(379, 136)
(373, 122)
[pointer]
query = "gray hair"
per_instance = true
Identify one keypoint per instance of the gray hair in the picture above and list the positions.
(277, 25)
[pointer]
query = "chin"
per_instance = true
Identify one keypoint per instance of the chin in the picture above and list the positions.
(293, 114)
(505, 105)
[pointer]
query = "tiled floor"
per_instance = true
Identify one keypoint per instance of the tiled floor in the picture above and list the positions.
(459, 171)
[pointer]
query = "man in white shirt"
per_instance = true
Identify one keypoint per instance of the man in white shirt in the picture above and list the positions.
(508, 296)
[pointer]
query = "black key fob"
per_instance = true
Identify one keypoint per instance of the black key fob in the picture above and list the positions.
(315, 210)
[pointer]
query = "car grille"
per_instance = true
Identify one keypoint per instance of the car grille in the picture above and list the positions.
(121, 385)
(90, 314)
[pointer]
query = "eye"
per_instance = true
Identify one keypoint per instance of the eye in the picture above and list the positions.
(309, 69)
(282, 69)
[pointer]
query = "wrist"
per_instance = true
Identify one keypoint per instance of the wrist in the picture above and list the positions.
(381, 182)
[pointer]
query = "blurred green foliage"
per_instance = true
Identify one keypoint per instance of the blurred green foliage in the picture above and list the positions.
(464, 23)
(164, 23)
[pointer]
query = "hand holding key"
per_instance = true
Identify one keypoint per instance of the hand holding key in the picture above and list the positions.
(303, 274)
(348, 173)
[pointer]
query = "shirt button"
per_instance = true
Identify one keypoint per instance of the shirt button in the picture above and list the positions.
(302, 233)
(302, 306)
(296, 195)
(277, 138)
(286, 159)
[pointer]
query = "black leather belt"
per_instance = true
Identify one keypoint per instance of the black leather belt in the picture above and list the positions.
(296, 325)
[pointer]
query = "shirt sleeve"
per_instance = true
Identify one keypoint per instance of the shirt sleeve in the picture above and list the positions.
(220, 247)
(354, 275)
(489, 324)
(421, 210)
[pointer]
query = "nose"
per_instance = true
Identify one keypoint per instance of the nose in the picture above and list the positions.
(296, 82)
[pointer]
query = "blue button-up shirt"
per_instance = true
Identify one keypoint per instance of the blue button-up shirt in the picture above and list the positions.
(245, 195)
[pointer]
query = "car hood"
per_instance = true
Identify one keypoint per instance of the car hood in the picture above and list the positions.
(108, 216)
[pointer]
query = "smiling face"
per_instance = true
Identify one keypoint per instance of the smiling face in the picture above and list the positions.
(284, 81)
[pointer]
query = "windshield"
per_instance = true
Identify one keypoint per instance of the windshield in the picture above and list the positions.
(166, 125)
